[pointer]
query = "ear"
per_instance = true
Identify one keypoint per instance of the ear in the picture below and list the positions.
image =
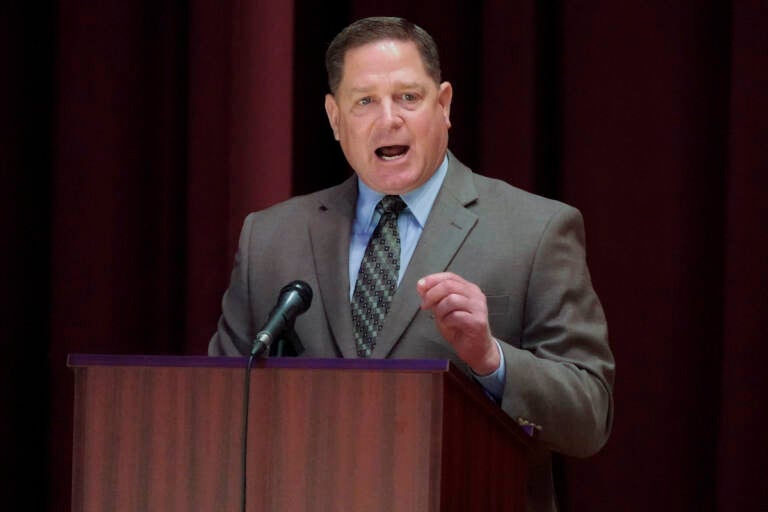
(444, 97)
(332, 110)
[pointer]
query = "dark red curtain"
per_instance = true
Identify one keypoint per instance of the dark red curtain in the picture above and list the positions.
(137, 135)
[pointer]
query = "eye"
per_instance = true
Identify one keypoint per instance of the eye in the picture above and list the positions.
(407, 96)
(364, 101)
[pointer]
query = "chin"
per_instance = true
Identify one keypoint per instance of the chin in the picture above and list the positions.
(388, 184)
(396, 182)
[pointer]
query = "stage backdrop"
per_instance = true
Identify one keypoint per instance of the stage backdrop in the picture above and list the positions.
(136, 136)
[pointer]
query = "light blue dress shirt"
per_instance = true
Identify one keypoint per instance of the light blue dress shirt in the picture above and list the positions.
(410, 225)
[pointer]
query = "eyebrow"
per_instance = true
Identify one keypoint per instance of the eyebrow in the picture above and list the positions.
(409, 85)
(398, 85)
(361, 90)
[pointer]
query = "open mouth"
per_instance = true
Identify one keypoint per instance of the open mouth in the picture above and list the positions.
(389, 153)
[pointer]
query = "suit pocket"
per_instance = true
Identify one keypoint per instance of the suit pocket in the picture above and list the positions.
(497, 304)
(504, 316)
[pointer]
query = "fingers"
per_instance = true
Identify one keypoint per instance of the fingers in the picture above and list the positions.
(447, 286)
(461, 315)
(454, 301)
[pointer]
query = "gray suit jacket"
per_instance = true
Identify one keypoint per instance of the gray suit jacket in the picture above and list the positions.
(525, 252)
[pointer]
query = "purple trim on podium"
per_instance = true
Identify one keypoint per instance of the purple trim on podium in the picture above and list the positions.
(403, 365)
(418, 365)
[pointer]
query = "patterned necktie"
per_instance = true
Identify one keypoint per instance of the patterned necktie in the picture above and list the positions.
(377, 279)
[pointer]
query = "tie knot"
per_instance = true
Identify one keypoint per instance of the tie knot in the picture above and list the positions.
(391, 204)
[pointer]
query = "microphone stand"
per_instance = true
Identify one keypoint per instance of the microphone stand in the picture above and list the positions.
(289, 345)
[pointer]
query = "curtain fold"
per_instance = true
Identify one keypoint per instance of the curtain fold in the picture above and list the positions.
(742, 442)
(240, 143)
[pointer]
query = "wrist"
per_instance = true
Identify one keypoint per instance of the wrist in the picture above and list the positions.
(489, 362)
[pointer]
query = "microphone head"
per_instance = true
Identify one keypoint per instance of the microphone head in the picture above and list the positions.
(303, 290)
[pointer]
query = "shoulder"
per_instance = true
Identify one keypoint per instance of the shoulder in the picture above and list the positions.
(510, 213)
(491, 198)
(499, 196)
(492, 189)
(300, 209)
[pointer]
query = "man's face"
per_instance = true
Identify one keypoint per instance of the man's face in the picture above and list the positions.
(390, 117)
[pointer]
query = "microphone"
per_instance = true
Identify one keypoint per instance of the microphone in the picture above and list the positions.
(294, 299)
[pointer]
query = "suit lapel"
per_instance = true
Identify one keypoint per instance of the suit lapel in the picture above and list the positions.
(448, 225)
(329, 234)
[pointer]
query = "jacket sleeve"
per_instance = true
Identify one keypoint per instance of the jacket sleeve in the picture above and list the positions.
(561, 377)
(235, 328)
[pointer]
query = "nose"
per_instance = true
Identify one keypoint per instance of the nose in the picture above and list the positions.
(391, 115)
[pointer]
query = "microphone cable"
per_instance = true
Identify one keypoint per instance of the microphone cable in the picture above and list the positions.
(294, 299)
(244, 453)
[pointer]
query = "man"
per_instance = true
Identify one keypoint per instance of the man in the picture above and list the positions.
(488, 275)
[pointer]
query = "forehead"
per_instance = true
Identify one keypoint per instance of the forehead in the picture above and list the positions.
(384, 59)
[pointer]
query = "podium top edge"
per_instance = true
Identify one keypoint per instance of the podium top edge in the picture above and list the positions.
(414, 365)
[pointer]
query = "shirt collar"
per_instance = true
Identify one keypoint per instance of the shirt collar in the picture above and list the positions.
(419, 201)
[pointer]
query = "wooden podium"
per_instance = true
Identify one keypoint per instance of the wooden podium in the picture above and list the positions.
(165, 434)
